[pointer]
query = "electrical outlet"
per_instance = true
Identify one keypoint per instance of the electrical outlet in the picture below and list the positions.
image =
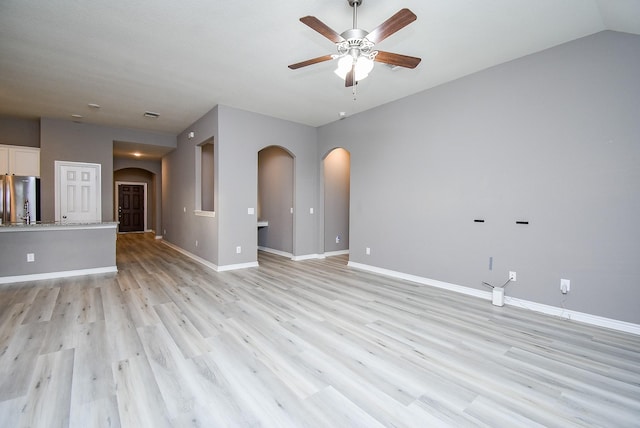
(367, 251)
(512, 276)
(565, 286)
(31, 257)
(196, 242)
(238, 250)
(337, 239)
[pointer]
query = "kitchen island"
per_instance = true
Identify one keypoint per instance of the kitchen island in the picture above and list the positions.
(30, 252)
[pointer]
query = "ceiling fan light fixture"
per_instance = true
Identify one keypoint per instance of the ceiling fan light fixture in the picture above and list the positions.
(355, 46)
(364, 66)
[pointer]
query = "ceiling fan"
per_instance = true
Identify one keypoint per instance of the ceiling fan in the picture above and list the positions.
(355, 46)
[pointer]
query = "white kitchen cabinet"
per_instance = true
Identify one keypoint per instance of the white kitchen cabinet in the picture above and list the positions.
(18, 160)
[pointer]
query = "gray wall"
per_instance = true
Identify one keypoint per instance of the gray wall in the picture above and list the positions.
(275, 198)
(550, 138)
(238, 136)
(20, 132)
(56, 250)
(336, 168)
(180, 225)
(242, 135)
(80, 142)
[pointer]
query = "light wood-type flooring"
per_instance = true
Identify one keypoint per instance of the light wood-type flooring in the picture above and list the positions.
(166, 342)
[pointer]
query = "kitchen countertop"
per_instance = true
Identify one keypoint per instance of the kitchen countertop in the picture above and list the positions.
(42, 226)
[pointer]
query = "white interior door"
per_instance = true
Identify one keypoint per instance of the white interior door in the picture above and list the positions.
(78, 192)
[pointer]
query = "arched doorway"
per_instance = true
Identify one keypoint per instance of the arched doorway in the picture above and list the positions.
(275, 201)
(336, 184)
(135, 201)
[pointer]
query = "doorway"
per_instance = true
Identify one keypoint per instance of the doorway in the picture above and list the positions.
(131, 207)
(336, 184)
(275, 200)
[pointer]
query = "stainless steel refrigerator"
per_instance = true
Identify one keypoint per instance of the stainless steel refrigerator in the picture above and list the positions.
(19, 199)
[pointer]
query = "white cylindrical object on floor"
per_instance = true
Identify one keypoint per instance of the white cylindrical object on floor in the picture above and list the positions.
(498, 296)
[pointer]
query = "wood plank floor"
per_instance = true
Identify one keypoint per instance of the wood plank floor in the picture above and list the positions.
(166, 342)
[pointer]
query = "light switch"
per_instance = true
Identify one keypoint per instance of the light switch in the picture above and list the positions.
(250, 211)
(310, 210)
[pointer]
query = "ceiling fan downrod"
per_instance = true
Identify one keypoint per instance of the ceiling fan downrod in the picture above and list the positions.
(354, 4)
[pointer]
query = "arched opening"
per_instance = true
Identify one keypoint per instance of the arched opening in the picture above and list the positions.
(336, 184)
(135, 199)
(275, 201)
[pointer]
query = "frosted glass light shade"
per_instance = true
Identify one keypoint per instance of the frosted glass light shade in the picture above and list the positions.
(363, 67)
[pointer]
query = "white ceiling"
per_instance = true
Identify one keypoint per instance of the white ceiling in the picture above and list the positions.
(181, 58)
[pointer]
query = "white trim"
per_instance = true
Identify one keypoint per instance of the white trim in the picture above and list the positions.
(421, 280)
(237, 266)
(54, 275)
(207, 263)
(191, 256)
(336, 253)
(158, 236)
(276, 252)
(596, 320)
(201, 213)
(292, 257)
(568, 314)
(307, 257)
(144, 198)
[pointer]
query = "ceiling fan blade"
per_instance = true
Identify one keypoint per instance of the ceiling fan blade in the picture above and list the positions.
(322, 28)
(397, 59)
(310, 62)
(349, 78)
(398, 21)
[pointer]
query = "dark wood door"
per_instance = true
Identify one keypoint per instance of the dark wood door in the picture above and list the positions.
(131, 207)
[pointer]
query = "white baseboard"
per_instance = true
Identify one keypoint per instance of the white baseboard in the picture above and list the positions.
(54, 275)
(237, 266)
(208, 263)
(596, 320)
(336, 253)
(307, 257)
(291, 256)
(192, 256)
(304, 256)
(276, 252)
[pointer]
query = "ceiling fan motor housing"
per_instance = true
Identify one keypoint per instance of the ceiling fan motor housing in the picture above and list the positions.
(355, 42)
